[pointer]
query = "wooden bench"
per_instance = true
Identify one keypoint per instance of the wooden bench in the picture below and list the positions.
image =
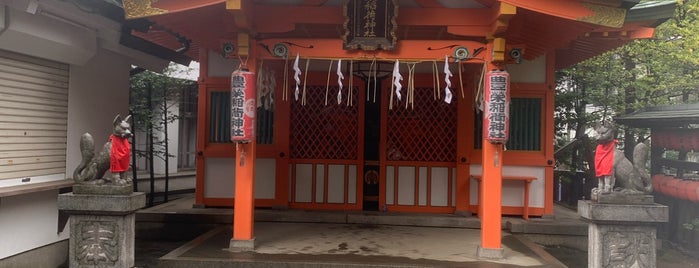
(527, 181)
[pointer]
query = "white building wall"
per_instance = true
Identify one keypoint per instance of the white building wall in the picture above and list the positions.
(438, 189)
(98, 90)
(96, 95)
(29, 221)
(172, 143)
(219, 181)
(220, 66)
(513, 191)
(533, 71)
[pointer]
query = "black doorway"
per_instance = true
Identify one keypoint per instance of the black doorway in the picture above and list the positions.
(372, 140)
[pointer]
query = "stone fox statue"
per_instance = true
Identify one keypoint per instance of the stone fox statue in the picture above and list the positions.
(612, 168)
(115, 156)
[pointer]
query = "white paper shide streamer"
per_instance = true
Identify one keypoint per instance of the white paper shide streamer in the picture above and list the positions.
(447, 74)
(396, 80)
(297, 72)
(339, 81)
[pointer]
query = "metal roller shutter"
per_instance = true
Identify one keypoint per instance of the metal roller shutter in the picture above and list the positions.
(33, 116)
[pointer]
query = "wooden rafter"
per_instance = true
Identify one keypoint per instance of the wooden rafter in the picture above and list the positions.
(502, 13)
(241, 10)
(410, 50)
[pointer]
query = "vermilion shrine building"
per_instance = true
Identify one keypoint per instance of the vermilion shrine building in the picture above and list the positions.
(373, 151)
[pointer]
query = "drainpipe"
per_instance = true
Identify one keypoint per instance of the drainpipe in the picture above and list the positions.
(134, 176)
(151, 147)
(167, 146)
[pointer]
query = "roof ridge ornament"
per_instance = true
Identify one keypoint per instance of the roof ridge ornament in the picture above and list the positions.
(605, 15)
(141, 8)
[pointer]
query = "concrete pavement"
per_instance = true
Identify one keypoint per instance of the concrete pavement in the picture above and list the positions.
(353, 245)
(294, 238)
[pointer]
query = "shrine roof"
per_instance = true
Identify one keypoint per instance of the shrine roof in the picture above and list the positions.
(651, 10)
(572, 30)
(662, 116)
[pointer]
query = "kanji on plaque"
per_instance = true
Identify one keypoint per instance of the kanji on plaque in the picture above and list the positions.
(496, 116)
(243, 108)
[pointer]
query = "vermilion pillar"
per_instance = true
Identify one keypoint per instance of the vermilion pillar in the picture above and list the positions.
(491, 189)
(244, 211)
(491, 194)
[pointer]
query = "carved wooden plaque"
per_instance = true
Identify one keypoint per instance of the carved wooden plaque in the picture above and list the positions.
(370, 24)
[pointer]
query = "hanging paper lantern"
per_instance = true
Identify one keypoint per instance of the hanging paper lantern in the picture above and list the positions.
(243, 108)
(496, 115)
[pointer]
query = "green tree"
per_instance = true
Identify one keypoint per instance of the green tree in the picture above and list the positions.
(151, 97)
(643, 73)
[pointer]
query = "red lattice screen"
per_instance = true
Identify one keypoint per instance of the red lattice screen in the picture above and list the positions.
(325, 132)
(426, 132)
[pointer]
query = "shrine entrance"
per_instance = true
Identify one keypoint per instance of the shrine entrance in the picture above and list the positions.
(365, 154)
(372, 145)
(326, 152)
(419, 143)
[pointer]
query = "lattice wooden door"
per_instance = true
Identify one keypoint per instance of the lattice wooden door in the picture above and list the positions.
(325, 149)
(419, 159)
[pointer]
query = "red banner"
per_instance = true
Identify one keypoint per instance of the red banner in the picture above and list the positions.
(496, 116)
(243, 107)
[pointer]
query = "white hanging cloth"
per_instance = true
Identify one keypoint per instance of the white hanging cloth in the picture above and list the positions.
(339, 81)
(447, 74)
(396, 80)
(297, 72)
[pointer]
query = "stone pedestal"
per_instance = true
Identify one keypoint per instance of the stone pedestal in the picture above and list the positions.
(622, 235)
(241, 245)
(101, 228)
(490, 253)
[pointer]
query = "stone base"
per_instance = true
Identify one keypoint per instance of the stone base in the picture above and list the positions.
(621, 246)
(490, 253)
(633, 214)
(242, 245)
(548, 216)
(102, 228)
(622, 235)
(102, 241)
(280, 207)
(621, 198)
(101, 204)
(463, 213)
(102, 189)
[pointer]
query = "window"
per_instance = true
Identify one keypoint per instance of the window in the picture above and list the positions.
(220, 118)
(187, 128)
